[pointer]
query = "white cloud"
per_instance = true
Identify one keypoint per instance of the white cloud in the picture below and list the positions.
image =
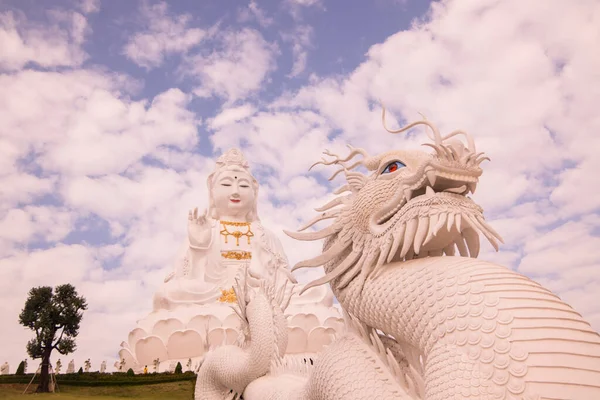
(577, 192)
(136, 196)
(305, 3)
(21, 187)
(46, 223)
(295, 7)
(163, 35)
(56, 45)
(238, 70)
(231, 115)
(278, 140)
(253, 11)
(89, 6)
(93, 131)
(298, 189)
(301, 38)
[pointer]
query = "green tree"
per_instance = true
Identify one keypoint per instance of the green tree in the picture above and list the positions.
(178, 368)
(130, 372)
(54, 316)
(80, 371)
(21, 368)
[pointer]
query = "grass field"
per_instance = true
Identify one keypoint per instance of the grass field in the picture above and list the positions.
(172, 391)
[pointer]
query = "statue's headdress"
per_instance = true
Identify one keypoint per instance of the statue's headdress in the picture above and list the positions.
(232, 159)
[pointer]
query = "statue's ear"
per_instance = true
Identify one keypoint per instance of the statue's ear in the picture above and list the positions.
(356, 180)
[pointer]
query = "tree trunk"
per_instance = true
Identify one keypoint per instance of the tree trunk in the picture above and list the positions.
(44, 386)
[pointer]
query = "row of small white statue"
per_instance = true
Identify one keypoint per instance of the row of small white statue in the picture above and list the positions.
(5, 368)
(87, 365)
(156, 366)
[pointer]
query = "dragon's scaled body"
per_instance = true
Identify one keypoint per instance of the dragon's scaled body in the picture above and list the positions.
(426, 319)
(355, 366)
(227, 370)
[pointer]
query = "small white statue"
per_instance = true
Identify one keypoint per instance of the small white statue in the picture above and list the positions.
(103, 367)
(172, 366)
(4, 369)
(58, 366)
(156, 364)
(71, 367)
(87, 365)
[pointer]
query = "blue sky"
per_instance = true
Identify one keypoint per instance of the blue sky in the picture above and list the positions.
(112, 112)
(345, 31)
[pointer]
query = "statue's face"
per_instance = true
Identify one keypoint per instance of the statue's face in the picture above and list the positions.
(233, 194)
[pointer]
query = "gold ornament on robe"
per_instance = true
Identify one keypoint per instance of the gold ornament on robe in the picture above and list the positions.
(228, 296)
(236, 255)
(236, 234)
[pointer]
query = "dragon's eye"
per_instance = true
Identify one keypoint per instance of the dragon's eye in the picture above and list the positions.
(392, 167)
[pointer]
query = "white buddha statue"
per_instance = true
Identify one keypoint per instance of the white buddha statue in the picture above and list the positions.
(222, 239)
(191, 309)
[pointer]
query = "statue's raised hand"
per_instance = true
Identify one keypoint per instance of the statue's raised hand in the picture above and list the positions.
(199, 229)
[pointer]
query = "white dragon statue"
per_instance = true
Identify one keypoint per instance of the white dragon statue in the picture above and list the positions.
(423, 322)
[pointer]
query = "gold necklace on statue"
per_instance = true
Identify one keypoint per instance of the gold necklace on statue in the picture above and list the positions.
(236, 234)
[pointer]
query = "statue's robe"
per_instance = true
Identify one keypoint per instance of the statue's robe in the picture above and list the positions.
(202, 272)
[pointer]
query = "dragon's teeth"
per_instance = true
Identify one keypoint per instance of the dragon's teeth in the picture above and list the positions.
(472, 186)
(462, 248)
(450, 221)
(429, 191)
(408, 194)
(472, 238)
(384, 250)
(431, 177)
(440, 223)
(398, 235)
(478, 227)
(409, 236)
(433, 221)
(421, 233)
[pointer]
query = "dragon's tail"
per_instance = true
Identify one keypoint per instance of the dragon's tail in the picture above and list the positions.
(287, 380)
